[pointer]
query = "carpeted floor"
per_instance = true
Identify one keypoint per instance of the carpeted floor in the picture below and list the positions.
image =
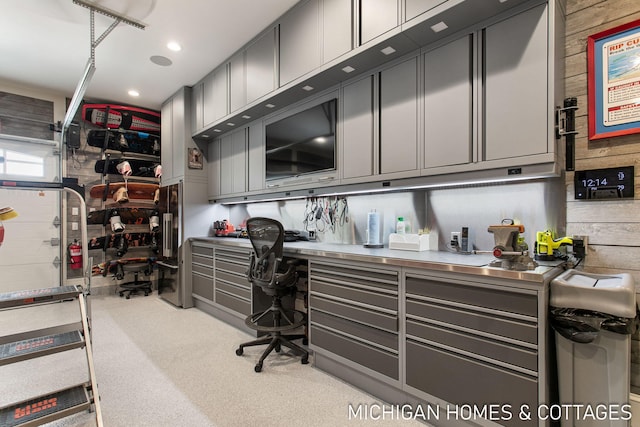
(158, 365)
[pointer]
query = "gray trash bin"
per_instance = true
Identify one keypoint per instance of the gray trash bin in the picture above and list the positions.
(593, 316)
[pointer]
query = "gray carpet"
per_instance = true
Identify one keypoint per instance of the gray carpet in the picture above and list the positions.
(158, 365)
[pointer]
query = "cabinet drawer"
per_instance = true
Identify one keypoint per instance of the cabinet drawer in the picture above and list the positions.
(512, 302)
(388, 301)
(366, 333)
(354, 275)
(371, 357)
(358, 314)
(238, 255)
(204, 270)
(203, 260)
(459, 380)
(202, 286)
(232, 278)
(202, 250)
(240, 269)
(467, 318)
(234, 303)
(244, 293)
(513, 355)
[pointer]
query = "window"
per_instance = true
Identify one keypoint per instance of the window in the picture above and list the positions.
(13, 163)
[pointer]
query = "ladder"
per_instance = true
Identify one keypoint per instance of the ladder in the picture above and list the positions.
(31, 344)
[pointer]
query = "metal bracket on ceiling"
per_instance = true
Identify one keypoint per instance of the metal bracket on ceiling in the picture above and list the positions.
(91, 63)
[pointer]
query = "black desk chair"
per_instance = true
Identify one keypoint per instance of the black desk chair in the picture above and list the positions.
(132, 288)
(276, 280)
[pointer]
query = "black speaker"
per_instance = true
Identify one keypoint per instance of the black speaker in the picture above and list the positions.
(73, 136)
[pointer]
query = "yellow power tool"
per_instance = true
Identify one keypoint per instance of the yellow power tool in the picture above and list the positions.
(546, 245)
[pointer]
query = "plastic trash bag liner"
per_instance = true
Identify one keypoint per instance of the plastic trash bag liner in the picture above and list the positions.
(583, 326)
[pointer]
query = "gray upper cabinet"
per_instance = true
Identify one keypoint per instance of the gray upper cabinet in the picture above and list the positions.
(448, 102)
(377, 17)
(399, 118)
(261, 66)
(233, 167)
(337, 29)
(237, 82)
(358, 129)
(215, 95)
(414, 8)
(197, 107)
(300, 44)
(516, 102)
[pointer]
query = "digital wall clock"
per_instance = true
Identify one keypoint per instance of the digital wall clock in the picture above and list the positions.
(610, 183)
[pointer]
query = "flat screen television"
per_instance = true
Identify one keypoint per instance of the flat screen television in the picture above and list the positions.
(302, 143)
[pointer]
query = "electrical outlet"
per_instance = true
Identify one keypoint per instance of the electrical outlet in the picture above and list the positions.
(455, 239)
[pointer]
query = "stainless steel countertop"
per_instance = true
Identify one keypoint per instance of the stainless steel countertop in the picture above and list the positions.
(476, 264)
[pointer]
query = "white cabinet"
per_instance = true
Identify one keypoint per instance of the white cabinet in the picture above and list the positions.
(448, 104)
(377, 17)
(237, 82)
(516, 78)
(414, 8)
(399, 118)
(178, 148)
(215, 95)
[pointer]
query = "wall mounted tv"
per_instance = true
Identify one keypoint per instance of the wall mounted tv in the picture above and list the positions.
(302, 143)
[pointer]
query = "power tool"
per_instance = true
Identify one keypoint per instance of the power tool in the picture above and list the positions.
(546, 246)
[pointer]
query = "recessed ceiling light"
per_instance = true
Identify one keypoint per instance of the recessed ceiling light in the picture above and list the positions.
(230, 124)
(269, 105)
(217, 130)
(133, 92)
(440, 26)
(246, 117)
(174, 46)
(307, 88)
(161, 60)
(205, 136)
(388, 50)
(348, 69)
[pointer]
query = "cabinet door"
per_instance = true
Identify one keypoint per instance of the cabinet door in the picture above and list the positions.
(377, 17)
(337, 28)
(197, 107)
(300, 45)
(261, 70)
(398, 117)
(233, 163)
(414, 8)
(448, 104)
(237, 82)
(178, 138)
(213, 165)
(358, 129)
(516, 100)
(215, 95)
(166, 137)
(256, 156)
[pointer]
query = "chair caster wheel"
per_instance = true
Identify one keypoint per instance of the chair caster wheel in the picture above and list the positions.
(239, 352)
(277, 349)
(305, 360)
(146, 294)
(258, 367)
(121, 294)
(128, 296)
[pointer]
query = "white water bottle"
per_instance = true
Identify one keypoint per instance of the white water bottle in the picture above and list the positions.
(400, 226)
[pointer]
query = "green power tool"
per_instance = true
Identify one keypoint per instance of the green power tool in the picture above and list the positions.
(546, 245)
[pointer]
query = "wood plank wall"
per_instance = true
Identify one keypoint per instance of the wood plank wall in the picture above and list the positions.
(25, 116)
(613, 227)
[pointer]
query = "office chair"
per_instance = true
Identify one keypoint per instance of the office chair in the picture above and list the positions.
(267, 271)
(132, 288)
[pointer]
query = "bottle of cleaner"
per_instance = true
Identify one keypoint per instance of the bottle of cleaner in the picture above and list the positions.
(400, 226)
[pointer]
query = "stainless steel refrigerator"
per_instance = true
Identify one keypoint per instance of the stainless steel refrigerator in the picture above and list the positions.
(170, 207)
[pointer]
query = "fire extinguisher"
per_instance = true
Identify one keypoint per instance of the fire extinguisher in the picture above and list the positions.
(75, 255)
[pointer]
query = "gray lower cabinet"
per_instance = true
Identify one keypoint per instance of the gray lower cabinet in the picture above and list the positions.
(472, 342)
(354, 314)
(202, 271)
(232, 289)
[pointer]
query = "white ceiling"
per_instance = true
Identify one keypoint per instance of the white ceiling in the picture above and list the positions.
(46, 43)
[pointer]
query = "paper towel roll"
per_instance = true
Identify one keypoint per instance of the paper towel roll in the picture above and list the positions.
(373, 228)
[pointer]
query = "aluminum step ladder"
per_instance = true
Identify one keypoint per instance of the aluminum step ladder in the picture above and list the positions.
(22, 346)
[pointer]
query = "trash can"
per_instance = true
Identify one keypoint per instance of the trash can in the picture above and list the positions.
(593, 316)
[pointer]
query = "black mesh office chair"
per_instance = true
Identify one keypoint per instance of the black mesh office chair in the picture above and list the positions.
(267, 271)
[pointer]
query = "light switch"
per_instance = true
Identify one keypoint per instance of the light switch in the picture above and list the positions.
(74, 211)
(74, 226)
